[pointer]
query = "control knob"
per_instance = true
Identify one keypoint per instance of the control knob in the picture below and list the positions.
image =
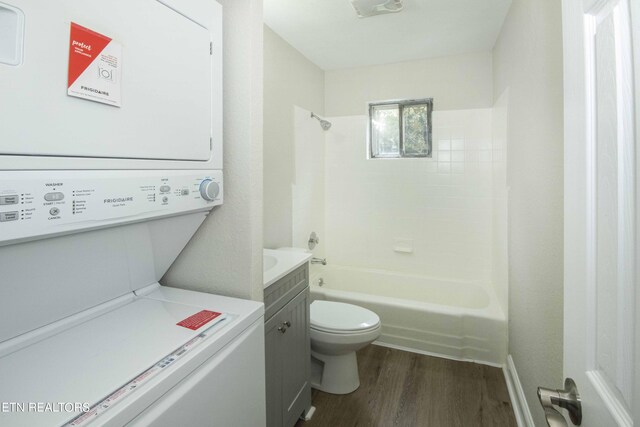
(209, 189)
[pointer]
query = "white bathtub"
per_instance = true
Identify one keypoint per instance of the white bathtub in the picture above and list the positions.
(459, 320)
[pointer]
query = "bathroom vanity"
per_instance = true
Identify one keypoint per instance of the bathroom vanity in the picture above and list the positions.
(287, 341)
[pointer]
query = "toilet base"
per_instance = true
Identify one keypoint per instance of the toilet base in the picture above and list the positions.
(335, 374)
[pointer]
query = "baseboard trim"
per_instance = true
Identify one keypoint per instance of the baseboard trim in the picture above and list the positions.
(516, 393)
(440, 355)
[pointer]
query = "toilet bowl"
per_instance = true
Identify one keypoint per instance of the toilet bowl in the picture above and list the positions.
(338, 330)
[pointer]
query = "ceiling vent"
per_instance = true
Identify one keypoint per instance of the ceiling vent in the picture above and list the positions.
(367, 8)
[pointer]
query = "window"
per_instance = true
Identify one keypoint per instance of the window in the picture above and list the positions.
(400, 128)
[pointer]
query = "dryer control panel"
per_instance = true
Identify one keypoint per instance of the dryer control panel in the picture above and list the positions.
(35, 204)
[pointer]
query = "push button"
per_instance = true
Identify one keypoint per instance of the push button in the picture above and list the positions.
(54, 197)
(54, 211)
(9, 200)
(8, 216)
(165, 188)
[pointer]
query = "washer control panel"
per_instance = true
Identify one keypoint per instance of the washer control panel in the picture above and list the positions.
(40, 203)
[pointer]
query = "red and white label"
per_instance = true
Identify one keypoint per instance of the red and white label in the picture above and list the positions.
(95, 64)
(198, 320)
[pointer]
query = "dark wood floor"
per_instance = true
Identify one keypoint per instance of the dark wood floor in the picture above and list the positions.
(398, 388)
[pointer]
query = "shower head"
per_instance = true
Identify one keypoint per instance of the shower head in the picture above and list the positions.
(323, 123)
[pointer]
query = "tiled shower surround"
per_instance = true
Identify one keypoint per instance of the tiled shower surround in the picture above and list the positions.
(428, 216)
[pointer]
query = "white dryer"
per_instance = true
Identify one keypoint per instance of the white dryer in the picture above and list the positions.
(110, 160)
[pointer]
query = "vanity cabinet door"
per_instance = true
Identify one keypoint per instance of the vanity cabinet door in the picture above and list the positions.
(296, 358)
(274, 370)
(288, 362)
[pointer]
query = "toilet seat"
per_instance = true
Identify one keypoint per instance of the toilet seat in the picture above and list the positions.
(340, 318)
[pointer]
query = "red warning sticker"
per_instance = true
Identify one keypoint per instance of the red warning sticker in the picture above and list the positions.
(95, 64)
(198, 320)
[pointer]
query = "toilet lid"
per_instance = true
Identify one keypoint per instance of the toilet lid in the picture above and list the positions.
(338, 317)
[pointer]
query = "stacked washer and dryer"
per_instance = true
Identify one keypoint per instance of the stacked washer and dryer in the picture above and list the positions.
(110, 159)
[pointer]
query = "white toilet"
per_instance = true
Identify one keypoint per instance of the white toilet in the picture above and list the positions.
(338, 330)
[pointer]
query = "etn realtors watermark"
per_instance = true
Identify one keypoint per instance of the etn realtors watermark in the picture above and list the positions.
(44, 407)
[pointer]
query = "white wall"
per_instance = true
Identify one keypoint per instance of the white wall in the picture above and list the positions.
(308, 196)
(500, 240)
(528, 62)
(440, 207)
(455, 82)
(225, 255)
(290, 80)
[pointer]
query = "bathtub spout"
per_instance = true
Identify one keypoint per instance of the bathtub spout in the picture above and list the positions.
(322, 261)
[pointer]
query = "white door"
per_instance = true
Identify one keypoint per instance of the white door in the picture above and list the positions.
(602, 308)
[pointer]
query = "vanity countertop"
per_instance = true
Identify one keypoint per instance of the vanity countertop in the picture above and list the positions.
(278, 263)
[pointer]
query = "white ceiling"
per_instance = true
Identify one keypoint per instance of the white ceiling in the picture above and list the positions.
(331, 35)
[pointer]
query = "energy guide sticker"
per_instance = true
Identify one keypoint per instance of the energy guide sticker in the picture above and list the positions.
(95, 65)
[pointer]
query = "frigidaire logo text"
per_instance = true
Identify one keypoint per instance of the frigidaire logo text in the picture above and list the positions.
(53, 184)
(119, 200)
(90, 89)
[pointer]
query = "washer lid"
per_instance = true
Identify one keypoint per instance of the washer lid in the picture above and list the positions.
(340, 317)
(95, 358)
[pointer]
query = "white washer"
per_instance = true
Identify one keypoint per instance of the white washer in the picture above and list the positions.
(131, 364)
(96, 202)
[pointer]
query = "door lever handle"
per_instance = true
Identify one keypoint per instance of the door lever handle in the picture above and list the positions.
(568, 399)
